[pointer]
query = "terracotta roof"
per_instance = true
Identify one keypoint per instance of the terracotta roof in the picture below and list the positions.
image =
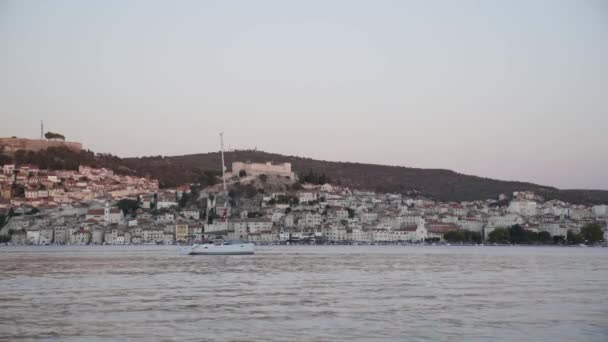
(411, 228)
(95, 212)
(441, 227)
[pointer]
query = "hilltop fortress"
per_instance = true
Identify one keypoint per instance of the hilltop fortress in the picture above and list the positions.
(256, 169)
(12, 145)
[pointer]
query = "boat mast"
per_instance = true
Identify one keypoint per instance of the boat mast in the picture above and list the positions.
(224, 179)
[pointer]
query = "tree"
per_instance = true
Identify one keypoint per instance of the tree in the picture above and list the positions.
(465, 236)
(287, 199)
(518, 235)
(574, 238)
(544, 237)
(18, 190)
(314, 178)
(128, 205)
(183, 201)
(4, 159)
(499, 235)
(476, 237)
(54, 136)
(7, 237)
(33, 211)
(351, 213)
(250, 191)
(242, 174)
(454, 236)
(592, 233)
(208, 178)
(263, 178)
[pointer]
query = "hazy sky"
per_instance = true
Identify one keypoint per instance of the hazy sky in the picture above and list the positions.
(503, 89)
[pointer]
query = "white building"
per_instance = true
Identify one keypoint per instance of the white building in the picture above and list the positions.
(288, 220)
(380, 235)
(553, 228)
(600, 210)
(191, 214)
(97, 236)
(341, 214)
(33, 236)
(361, 235)
(60, 235)
(525, 208)
(277, 216)
(165, 203)
(307, 196)
(327, 187)
(473, 225)
(46, 236)
(31, 194)
(500, 221)
(261, 237)
(504, 221)
(336, 234)
(259, 225)
(8, 169)
(310, 220)
(153, 235)
(217, 226)
(168, 238)
(112, 215)
(368, 217)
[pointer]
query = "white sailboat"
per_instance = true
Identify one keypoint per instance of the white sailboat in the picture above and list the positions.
(219, 247)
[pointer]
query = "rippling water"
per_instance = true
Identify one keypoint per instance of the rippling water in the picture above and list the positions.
(305, 293)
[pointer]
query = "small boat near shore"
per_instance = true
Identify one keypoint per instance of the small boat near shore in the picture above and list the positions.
(221, 248)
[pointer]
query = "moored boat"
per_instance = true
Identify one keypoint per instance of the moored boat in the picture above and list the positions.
(221, 248)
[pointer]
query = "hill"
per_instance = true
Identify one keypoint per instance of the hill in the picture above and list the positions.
(439, 184)
(443, 185)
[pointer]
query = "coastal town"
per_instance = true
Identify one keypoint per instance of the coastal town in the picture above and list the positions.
(98, 206)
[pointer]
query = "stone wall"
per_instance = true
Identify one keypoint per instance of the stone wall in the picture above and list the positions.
(11, 145)
(256, 169)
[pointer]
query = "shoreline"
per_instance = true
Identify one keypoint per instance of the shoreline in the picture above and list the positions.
(311, 245)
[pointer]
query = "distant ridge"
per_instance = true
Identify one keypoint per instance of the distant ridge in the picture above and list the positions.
(439, 184)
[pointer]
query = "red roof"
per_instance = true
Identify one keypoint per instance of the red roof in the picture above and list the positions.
(95, 212)
(441, 228)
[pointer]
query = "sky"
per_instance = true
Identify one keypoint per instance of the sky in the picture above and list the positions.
(513, 90)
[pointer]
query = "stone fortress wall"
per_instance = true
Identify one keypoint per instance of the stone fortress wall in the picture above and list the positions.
(256, 169)
(11, 145)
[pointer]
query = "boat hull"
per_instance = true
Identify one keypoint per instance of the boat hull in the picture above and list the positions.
(235, 249)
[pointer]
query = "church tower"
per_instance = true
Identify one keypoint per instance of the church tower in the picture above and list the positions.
(106, 212)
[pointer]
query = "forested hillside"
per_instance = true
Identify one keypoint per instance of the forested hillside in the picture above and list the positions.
(444, 185)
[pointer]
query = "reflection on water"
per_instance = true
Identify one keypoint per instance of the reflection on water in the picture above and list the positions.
(305, 293)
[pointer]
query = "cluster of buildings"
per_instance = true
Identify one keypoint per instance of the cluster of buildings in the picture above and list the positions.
(85, 212)
(26, 186)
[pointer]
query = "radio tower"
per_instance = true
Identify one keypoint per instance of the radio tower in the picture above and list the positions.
(41, 130)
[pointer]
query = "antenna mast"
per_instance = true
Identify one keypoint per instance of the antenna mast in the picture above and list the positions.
(224, 180)
(223, 165)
